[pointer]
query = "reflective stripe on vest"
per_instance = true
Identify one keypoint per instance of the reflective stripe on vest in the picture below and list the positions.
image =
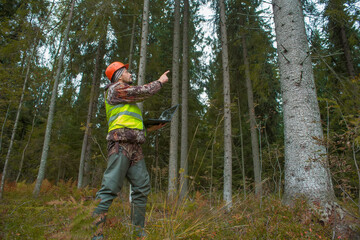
(124, 115)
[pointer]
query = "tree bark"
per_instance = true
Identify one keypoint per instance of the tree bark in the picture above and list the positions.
(45, 150)
(347, 52)
(13, 133)
(132, 42)
(227, 110)
(26, 146)
(144, 36)
(242, 150)
(90, 110)
(306, 169)
(174, 131)
(307, 172)
(253, 125)
(184, 105)
(2, 128)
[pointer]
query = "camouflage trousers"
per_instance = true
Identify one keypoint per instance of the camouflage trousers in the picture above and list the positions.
(117, 170)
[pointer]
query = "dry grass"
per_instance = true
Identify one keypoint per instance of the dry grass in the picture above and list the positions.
(63, 212)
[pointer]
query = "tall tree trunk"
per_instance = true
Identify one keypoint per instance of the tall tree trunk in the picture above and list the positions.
(45, 150)
(347, 52)
(27, 144)
(3, 126)
(306, 170)
(227, 110)
(144, 36)
(184, 105)
(132, 42)
(174, 131)
(253, 127)
(90, 110)
(13, 133)
(242, 149)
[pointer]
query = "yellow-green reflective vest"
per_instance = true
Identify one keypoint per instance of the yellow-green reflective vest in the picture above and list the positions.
(124, 116)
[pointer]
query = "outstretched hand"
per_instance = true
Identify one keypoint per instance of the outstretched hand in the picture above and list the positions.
(164, 78)
(155, 127)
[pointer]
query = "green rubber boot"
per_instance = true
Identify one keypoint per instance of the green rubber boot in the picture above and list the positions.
(138, 220)
(98, 225)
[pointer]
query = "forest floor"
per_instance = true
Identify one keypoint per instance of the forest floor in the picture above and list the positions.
(63, 212)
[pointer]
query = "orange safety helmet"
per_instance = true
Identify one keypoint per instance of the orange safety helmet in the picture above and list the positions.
(112, 68)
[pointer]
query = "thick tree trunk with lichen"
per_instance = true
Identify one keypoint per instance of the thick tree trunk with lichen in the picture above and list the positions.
(306, 169)
(307, 172)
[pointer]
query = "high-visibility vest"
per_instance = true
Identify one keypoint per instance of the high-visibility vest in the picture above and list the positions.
(123, 116)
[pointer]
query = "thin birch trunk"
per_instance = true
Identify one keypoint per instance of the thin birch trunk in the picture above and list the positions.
(242, 149)
(357, 171)
(156, 163)
(253, 127)
(347, 52)
(90, 111)
(212, 156)
(3, 126)
(45, 150)
(227, 111)
(174, 130)
(184, 105)
(280, 171)
(17, 118)
(144, 36)
(132, 42)
(26, 146)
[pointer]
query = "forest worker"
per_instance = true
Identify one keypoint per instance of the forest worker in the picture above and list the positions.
(126, 133)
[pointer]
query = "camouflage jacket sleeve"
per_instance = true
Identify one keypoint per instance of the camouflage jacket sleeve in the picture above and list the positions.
(124, 93)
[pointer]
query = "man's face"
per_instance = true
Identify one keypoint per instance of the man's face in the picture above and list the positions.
(126, 77)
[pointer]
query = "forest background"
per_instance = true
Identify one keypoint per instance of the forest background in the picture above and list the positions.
(70, 43)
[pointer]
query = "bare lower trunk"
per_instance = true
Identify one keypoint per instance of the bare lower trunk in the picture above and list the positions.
(227, 110)
(2, 128)
(156, 163)
(242, 149)
(253, 127)
(26, 146)
(347, 52)
(13, 133)
(87, 163)
(357, 171)
(306, 168)
(144, 36)
(132, 42)
(45, 150)
(305, 162)
(184, 106)
(174, 131)
(280, 172)
(90, 111)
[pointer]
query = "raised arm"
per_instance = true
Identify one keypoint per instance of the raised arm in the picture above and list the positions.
(124, 93)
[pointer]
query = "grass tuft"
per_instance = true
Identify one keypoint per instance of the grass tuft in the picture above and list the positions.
(64, 212)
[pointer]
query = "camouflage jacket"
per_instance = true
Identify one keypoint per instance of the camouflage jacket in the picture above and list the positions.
(129, 140)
